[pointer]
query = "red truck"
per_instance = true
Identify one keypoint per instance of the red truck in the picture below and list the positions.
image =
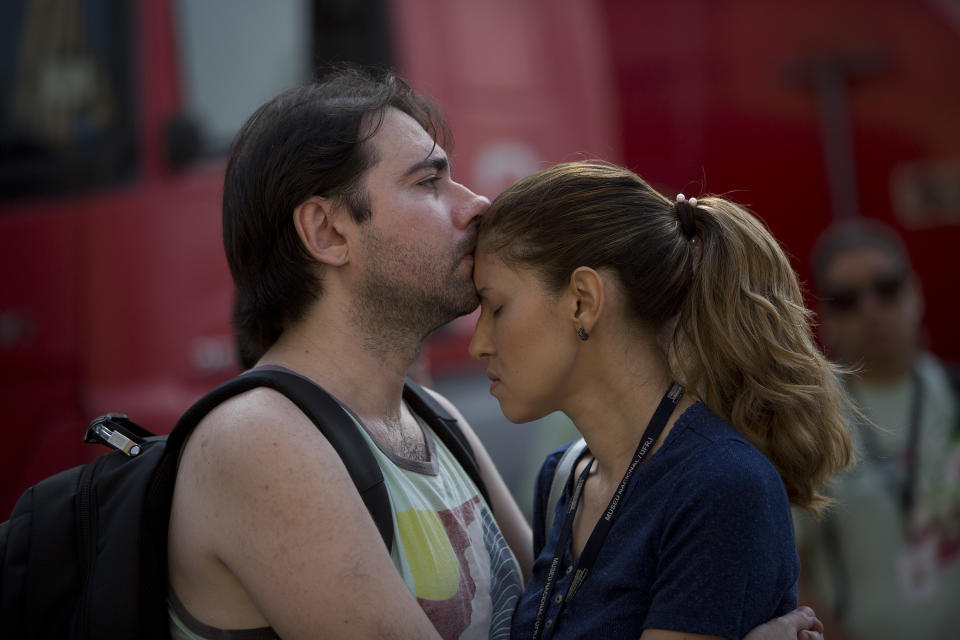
(116, 117)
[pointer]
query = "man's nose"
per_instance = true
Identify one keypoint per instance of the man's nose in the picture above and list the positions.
(470, 207)
(870, 304)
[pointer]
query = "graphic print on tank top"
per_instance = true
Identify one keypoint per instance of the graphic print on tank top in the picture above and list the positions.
(447, 546)
(446, 566)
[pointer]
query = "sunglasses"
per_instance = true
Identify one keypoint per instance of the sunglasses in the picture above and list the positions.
(884, 290)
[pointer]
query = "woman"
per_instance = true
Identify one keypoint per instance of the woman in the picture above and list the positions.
(605, 300)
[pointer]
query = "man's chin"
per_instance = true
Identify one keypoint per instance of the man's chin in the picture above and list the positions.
(465, 300)
(454, 307)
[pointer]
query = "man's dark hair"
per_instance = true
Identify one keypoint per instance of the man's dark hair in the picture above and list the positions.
(309, 140)
(852, 235)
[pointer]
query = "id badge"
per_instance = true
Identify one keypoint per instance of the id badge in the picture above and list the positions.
(917, 564)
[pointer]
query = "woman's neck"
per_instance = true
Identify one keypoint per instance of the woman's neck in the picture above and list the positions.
(613, 426)
(612, 416)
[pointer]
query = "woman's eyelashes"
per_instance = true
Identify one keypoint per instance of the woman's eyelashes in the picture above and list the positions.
(493, 310)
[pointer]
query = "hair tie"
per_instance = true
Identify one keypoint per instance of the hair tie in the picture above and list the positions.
(686, 213)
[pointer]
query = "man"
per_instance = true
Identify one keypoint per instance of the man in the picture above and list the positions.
(348, 241)
(885, 563)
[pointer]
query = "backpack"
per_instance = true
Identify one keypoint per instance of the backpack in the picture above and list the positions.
(84, 553)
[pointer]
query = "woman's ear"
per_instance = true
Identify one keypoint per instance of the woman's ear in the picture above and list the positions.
(587, 292)
(316, 222)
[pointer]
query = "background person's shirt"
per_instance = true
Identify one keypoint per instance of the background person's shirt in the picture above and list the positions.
(883, 576)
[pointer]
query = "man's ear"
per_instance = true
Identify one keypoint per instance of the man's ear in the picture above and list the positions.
(316, 220)
(587, 293)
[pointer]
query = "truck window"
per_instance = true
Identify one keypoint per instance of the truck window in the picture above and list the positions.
(66, 117)
(237, 54)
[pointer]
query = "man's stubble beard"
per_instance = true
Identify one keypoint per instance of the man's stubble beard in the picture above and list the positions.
(402, 298)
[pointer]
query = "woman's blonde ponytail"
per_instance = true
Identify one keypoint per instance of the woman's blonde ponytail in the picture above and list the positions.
(743, 344)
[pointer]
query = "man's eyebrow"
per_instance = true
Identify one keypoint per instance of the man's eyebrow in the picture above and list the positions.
(437, 163)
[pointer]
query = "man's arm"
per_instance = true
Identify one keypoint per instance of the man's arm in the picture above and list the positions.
(800, 624)
(267, 526)
(515, 528)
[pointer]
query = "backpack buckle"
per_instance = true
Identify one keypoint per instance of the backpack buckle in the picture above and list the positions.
(111, 431)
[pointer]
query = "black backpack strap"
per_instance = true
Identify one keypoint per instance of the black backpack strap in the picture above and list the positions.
(447, 429)
(326, 413)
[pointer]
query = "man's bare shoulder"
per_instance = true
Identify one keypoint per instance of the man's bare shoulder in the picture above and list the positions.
(259, 445)
(267, 528)
(260, 423)
(256, 410)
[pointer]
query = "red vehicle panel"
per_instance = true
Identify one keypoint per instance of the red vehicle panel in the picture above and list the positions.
(117, 296)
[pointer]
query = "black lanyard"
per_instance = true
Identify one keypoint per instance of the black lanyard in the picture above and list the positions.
(906, 493)
(655, 427)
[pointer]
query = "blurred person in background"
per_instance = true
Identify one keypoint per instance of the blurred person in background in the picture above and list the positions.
(885, 561)
(603, 299)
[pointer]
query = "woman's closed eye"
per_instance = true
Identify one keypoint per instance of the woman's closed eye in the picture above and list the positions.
(493, 310)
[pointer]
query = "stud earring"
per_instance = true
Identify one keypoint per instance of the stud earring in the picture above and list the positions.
(583, 334)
